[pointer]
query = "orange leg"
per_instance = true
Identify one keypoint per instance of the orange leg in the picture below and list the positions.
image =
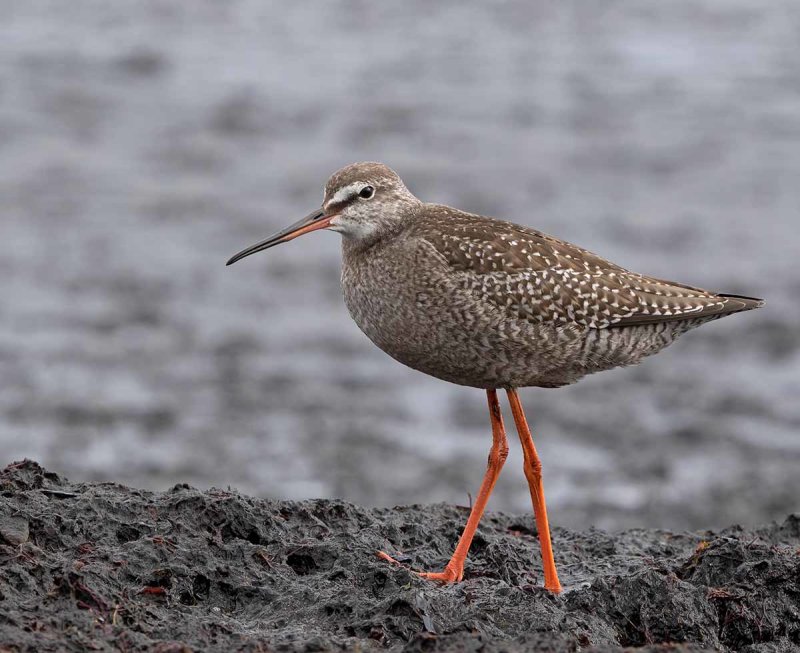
(454, 571)
(533, 472)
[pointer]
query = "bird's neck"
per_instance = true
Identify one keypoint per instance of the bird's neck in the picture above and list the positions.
(359, 244)
(353, 247)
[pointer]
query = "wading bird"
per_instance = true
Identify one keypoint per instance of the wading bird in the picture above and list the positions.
(494, 305)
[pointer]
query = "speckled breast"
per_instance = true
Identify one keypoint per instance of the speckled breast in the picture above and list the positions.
(420, 313)
(430, 318)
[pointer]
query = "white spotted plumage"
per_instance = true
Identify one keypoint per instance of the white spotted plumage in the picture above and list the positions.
(555, 280)
(489, 303)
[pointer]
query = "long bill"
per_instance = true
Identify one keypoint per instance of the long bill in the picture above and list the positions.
(313, 221)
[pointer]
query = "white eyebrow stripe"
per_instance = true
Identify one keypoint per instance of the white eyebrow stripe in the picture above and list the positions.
(345, 193)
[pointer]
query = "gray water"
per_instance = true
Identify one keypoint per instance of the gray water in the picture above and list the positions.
(142, 143)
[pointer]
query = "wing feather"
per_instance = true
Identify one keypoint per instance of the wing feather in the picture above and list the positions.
(537, 277)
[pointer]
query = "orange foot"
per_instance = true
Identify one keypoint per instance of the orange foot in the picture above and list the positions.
(385, 556)
(449, 575)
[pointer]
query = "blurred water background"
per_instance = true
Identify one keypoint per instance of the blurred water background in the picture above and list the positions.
(144, 142)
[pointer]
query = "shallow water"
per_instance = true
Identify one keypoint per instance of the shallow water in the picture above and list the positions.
(143, 143)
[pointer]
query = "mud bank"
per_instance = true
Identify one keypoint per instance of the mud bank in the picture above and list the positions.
(107, 567)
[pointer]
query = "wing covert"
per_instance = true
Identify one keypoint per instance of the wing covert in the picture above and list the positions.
(533, 276)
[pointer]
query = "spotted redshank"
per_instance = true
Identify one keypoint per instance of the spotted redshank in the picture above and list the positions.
(494, 305)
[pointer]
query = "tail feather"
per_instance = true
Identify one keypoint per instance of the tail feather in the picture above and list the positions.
(736, 303)
(713, 308)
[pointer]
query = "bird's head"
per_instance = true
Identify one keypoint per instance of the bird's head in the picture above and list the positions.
(362, 201)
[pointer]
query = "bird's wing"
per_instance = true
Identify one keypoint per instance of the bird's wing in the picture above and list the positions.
(534, 276)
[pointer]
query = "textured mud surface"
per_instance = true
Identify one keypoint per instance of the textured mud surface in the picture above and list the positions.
(103, 566)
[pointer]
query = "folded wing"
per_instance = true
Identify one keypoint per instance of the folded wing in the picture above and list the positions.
(541, 278)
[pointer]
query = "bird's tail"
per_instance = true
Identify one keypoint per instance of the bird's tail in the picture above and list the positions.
(737, 303)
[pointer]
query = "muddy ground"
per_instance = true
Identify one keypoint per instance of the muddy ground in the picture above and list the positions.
(100, 566)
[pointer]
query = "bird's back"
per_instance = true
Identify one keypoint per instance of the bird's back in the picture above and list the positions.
(490, 303)
(551, 280)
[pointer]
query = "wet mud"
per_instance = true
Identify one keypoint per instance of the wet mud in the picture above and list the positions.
(101, 566)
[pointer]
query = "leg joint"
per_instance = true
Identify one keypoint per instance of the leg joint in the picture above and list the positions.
(533, 469)
(498, 454)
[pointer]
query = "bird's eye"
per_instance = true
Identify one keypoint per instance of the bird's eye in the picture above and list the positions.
(366, 193)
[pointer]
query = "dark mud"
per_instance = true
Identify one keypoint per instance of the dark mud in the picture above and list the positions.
(107, 567)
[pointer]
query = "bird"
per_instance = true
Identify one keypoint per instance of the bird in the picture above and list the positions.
(491, 304)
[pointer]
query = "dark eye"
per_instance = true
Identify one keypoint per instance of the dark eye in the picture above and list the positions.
(367, 192)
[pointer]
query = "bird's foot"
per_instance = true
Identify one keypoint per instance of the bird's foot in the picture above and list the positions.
(451, 574)
(386, 557)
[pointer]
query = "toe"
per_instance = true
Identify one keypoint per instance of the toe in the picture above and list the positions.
(446, 576)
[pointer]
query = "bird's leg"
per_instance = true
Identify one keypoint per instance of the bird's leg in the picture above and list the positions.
(454, 571)
(533, 472)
